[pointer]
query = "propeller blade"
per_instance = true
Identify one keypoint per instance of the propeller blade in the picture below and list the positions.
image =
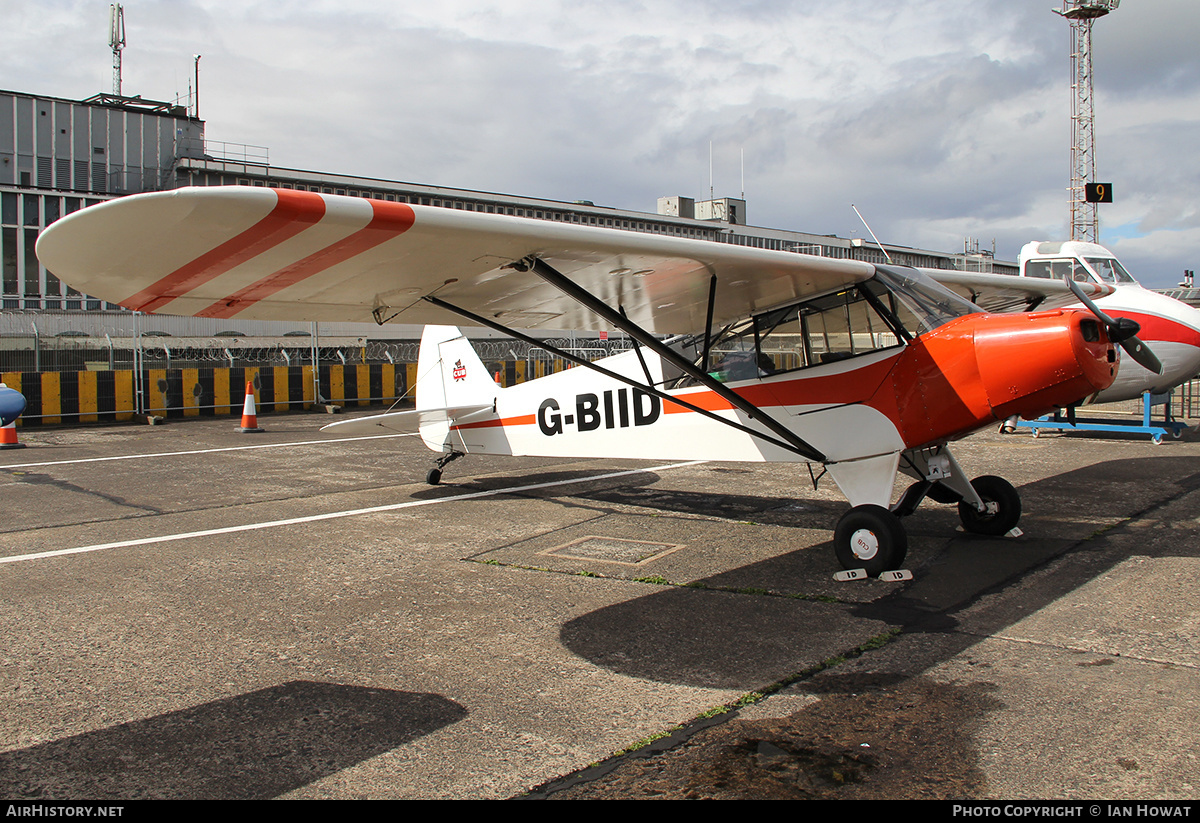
(1141, 353)
(1077, 290)
(1121, 331)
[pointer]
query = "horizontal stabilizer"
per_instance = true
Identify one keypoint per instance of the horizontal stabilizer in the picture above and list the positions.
(407, 421)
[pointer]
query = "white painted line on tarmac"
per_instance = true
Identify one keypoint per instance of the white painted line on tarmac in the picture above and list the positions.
(207, 451)
(270, 524)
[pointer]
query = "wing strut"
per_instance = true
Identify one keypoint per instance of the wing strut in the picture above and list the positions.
(629, 381)
(712, 301)
(545, 271)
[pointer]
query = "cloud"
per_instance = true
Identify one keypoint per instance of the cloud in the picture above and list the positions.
(940, 120)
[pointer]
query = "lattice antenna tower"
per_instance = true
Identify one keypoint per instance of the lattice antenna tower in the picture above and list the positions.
(116, 39)
(1082, 14)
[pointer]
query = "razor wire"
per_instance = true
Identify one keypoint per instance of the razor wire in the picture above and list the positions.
(89, 341)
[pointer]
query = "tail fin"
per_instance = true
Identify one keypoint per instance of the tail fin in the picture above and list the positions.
(450, 373)
(450, 377)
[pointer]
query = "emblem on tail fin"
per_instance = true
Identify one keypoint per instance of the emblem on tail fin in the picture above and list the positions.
(460, 371)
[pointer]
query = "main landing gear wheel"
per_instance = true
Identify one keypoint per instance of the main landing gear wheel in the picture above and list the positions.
(1003, 507)
(870, 537)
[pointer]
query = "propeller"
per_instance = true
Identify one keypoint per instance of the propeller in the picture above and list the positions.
(1121, 331)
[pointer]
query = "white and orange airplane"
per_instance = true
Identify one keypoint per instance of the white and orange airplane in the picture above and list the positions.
(775, 356)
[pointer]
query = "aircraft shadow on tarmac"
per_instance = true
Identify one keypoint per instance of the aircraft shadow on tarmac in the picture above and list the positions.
(252, 746)
(570, 481)
(709, 634)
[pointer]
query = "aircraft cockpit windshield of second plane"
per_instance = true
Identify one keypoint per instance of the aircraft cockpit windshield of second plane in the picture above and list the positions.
(1102, 269)
(886, 311)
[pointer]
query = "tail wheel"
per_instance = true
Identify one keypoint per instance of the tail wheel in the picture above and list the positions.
(1003, 507)
(434, 477)
(870, 537)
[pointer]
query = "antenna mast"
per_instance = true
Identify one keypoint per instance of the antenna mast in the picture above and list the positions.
(116, 39)
(1081, 14)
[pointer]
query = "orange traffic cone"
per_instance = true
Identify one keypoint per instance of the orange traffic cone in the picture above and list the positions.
(249, 417)
(8, 437)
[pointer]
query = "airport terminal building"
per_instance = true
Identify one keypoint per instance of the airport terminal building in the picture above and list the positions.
(58, 156)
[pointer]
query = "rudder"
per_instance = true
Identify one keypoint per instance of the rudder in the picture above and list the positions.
(449, 372)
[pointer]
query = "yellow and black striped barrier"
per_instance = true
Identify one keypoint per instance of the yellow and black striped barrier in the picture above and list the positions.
(54, 398)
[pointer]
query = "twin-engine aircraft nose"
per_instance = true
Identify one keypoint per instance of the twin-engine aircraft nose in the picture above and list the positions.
(1032, 363)
(12, 403)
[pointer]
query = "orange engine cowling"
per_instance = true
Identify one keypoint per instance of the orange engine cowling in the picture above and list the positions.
(985, 367)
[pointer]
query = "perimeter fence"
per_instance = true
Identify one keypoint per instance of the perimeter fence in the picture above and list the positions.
(109, 366)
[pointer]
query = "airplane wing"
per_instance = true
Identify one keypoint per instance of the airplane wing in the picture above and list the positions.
(278, 254)
(1008, 292)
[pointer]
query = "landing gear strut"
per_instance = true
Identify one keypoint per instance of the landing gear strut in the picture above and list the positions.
(435, 474)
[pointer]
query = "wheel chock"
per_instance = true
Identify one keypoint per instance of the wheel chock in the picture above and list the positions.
(893, 576)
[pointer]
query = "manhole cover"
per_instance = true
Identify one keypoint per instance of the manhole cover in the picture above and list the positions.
(614, 550)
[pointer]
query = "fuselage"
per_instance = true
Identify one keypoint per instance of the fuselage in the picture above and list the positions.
(946, 383)
(1169, 327)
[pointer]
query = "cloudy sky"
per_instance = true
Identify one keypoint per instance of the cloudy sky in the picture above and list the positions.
(940, 119)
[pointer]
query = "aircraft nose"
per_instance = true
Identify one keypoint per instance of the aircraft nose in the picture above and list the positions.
(12, 403)
(1033, 363)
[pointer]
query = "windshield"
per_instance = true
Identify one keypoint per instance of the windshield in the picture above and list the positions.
(1109, 269)
(928, 302)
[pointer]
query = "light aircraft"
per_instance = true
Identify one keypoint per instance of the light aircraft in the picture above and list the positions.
(1169, 326)
(862, 369)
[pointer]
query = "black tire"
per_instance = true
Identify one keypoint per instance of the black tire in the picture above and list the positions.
(1008, 507)
(872, 538)
(434, 477)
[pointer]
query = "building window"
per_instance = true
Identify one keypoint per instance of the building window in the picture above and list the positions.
(33, 286)
(8, 260)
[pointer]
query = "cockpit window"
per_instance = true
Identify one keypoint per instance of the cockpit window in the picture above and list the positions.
(880, 313)
(823, 330)
(1109, 270)
(921, 303)
(1068, 268)
(886, 311)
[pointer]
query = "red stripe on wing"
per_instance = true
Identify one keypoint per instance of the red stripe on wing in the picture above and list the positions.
(389, 220)
(294, 212)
